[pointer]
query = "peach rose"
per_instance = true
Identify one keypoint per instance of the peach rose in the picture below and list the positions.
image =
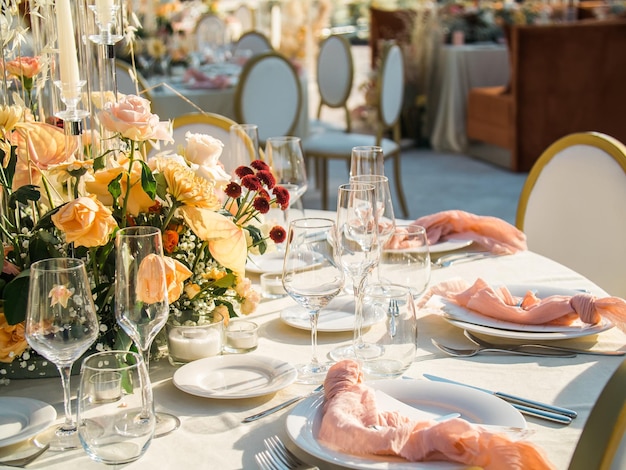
(85, 221)
(42, 144)
(23, 67)
(131, 117)
(176, 273)
(12, 340)
(150, 279)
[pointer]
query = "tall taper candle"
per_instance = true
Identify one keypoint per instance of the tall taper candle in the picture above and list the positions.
(105, 11)
(67, 50)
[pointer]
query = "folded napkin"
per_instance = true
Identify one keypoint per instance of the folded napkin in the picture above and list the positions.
(195, 78)
(350, 410)
(500, 304)
(491, 233)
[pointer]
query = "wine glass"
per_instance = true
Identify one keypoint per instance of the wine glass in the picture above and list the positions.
(141, 306)
(357, 242)
(115, 407)
(312, 278)
(285, 157)
(405, 259)
(244, 146)
(367, 160)
(61, 324)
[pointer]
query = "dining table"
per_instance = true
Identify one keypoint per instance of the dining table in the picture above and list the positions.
(212, 434)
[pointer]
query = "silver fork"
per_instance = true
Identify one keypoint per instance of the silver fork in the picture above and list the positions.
(278, 456)
(463, 352)
(23, 461)
(393, 311)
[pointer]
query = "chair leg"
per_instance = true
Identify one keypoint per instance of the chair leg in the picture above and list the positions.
(324, 182)
(399, 189)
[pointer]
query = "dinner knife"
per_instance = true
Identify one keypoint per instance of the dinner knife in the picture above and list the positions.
(524, 405)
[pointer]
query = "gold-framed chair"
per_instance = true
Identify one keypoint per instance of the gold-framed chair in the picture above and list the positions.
(130, 81)
(254, 41)
(268, 94)
(602, 443)
(209, 31)
(337, 145)
(571, 207)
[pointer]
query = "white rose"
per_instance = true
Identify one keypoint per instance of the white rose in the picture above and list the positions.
(203, 149)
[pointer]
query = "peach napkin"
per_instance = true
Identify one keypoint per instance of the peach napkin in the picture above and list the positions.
(196, 79)
(491, 233)
(350, 409)
(500, 304)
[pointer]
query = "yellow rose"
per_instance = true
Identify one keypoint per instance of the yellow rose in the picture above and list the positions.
(85, 221)
(131, 117)
(9, 117)
(12, 340)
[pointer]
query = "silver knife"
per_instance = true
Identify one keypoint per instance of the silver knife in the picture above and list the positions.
(524, 405)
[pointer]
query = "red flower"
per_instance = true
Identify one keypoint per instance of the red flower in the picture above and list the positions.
(267, 178)
(261, 204)
(282, 196)
(251, 183)
(242, 171)
(259, 165)
(233, 190)
(155, 208)
(278, 234)
(264, 193)
(170, 240)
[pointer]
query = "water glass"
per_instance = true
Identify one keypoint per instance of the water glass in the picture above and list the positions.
(396, 337)
(115, 407)
(244, 146)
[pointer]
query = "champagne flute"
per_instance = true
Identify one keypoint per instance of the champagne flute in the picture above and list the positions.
(357, 233)
(244, 147)
(61, 324)
(285, 157)
(312, 278)
(141, 305)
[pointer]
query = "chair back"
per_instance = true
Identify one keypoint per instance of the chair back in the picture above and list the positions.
(245, 15)
(390, 90)
(130, 81)
(210, 31)
(253, 41)
(335, 74)
(572, 207)
(268, 94)
(602, 444)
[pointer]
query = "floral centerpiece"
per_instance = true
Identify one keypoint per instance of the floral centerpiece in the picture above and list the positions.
(57, 203)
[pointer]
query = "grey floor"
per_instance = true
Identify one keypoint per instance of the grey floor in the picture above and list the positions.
(432, 181)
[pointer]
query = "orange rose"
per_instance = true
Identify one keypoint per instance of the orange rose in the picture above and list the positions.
(131, 117)
(176, 273)
(12, 340)
(23, 67)
(85, 221)
(170, 240)
(150, 279)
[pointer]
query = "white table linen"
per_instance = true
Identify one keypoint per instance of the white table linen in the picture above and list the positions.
(212, 435)
(457, 70)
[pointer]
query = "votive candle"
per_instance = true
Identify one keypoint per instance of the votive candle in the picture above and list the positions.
(104, 10)
(192, 343)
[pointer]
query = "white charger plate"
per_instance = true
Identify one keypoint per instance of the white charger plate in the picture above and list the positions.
(21, 418)
(433, 398)
(338, 316)
(477, 323)
(449, 245)
(234, 376)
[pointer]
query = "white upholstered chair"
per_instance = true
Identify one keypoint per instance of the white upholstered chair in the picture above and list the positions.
(268, 94)
(335, 144)
(245, 15)
(253, 41)
(572, 207)
(210, 31)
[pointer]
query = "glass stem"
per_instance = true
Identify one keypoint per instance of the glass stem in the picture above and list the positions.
(358, 311)
(65, 372)
(145, 412)
(314, 316)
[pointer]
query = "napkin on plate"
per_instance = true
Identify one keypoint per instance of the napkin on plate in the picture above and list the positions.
(195, 78)
(500, 304)
(491, 233)
(350, 409)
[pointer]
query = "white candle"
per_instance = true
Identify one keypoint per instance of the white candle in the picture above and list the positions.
(241, 336)
(68, 60)
(104, 10)
(191, 343)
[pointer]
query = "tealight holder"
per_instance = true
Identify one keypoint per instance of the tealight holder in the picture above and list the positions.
(242, 336)
(189, 342)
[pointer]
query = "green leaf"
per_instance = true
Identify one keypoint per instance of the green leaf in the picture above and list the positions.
(148, 183)
(28, 192)
(115, 188)
(42, 245)
(161, 185)
(225, 281)
(45, 222)
(10, 168)
(16, 298)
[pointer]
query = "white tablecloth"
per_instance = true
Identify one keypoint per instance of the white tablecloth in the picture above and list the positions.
(456, 71)
(212, 435)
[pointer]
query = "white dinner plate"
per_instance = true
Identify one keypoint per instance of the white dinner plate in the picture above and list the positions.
(449, 245)
(234, 376)
(338, 316)
(267, 263)
(21, 418)
(433, 398)
(477, 323)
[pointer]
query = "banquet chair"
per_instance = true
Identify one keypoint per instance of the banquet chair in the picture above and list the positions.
(337, 145)
(130, 81)
(245, 15)
(571, 210)
(210, 31)
(253, 41)
(268, 94)
(602, 443)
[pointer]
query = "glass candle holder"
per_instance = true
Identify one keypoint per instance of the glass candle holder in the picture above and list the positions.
(272, 286)
(242, 336)
(188, 343)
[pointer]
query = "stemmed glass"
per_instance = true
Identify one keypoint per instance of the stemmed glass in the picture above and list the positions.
(285, 157)
(312, 278)
(359, 252)
(367, 160)
(244, 146)
(141, 306)
(61, 324)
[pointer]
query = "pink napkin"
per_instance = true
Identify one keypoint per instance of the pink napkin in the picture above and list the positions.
(492, 233)
(500, 304)
(194, 78)
(350, 409)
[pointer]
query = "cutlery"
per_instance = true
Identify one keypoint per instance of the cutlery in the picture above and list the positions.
(449, 260)
(280, 406)
(517, 347)
(281, 457)
(524, 405)
(461, 352)
(23, 461)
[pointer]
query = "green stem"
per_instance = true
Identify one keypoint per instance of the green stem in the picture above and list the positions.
(197, 260)
(128, 180)
(94, 265)
(170, 214)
